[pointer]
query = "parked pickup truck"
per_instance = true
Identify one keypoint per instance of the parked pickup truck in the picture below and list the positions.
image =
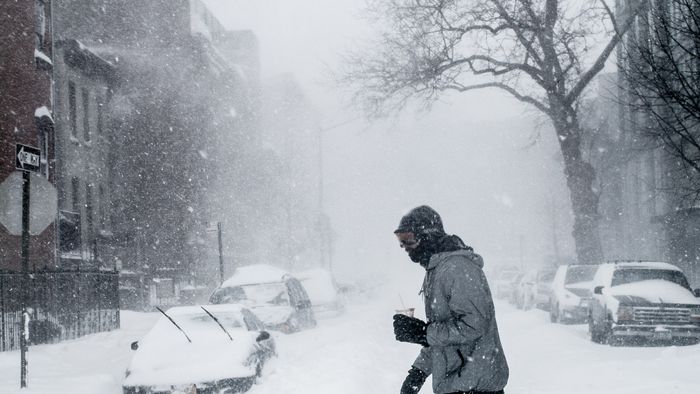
(643, 300)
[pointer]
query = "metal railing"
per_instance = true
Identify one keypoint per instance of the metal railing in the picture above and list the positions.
(62, 305)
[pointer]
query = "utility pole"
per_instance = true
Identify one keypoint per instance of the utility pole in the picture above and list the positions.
(221, 254)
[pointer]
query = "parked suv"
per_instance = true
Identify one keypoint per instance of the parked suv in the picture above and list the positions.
(571, 293)
(649, 300)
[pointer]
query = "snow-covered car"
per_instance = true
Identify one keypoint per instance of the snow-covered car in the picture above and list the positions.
(571, 293)
(504, 283)
(275, 296)
(534, 288)
(524, 291)
(200, 349)
(323, 292)
(649, 300)
(543, 287)
(515, 284)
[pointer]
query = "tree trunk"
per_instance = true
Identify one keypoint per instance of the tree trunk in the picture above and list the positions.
(580, 176)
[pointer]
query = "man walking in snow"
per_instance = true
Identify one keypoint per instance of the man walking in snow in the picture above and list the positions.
(461, 346)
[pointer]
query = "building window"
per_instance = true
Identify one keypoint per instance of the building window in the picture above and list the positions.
(44, 146)
(100, 117)
(86, 114)
(75, 194)
(101, 204)
(71, 108)
(39, 23)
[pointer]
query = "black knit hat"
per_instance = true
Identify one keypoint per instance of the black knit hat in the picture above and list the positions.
(421, 220)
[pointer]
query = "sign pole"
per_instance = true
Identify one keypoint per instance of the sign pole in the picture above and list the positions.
(27, 159)
(26, 187)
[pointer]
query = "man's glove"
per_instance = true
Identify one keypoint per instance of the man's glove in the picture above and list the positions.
(410, 329)
(414, 381)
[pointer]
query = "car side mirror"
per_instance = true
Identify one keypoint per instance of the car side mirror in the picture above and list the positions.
(135, 345)
(697, 293)
(598, 290)
(264, 335)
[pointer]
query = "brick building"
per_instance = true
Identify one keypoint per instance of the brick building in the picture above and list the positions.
(26, 111)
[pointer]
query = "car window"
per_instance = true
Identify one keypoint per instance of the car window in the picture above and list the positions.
(517, 279)
(252, 321)
(631, 275)
(228, 295)
(545, 276)
(297, 291)
(581, 273)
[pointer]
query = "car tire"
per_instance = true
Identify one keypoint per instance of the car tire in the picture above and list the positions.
(593, 331)
(607, 333)
(554, 314)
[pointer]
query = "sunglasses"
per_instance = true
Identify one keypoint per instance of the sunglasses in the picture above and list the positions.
(409, 243)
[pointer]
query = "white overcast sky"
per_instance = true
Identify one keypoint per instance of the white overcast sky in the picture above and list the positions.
(466, 158)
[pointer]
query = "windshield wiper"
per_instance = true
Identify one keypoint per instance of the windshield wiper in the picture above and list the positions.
(173, 321)
(217, 322)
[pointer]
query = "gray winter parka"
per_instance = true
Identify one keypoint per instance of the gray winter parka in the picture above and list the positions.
(465, 350)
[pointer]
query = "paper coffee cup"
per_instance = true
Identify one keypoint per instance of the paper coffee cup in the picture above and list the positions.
(407, 311)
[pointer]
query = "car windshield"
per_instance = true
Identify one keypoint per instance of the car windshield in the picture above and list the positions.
(227, 319)
(545, 276)
(578, 274)
(267, 293)
(631, 275)
(508, 275)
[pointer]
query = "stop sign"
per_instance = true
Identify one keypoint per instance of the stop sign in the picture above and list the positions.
(42, 203)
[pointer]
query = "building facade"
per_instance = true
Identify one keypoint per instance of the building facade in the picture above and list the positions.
(179, 94)
(83, 89)
(26, 106)
(653, 218)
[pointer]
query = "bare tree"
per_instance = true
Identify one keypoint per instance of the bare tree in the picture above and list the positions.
(662, 72)
(542, 52)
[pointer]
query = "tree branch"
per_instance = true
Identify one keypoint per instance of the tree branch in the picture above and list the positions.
(603, 57)
(498, 85)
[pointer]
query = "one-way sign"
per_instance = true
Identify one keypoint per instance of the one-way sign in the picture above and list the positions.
(27, 158)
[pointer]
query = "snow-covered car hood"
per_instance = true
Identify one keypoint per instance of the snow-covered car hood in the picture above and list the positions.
(196, 362)
(651, 292)
(165, 357)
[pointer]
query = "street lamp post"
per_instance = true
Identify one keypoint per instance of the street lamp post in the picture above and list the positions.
(325, 248)
(218, 230)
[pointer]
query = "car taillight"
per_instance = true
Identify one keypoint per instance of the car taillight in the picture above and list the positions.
(695, 315)
(625, 313)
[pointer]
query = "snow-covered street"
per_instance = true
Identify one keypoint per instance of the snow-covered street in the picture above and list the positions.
(356, 353)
